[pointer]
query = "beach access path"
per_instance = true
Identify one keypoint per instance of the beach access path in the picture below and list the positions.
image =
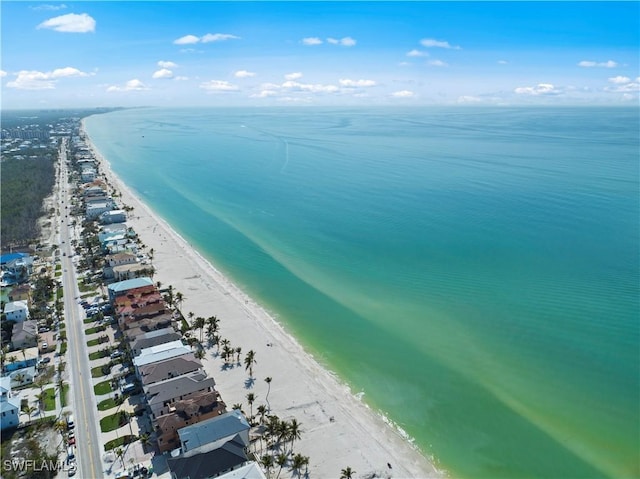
(338, 429)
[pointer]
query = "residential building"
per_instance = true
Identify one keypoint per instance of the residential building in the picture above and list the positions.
(20, 293)
(211, 448)
(169, 368)
(153, 338)
(21, 359)
(25, 335)
(113, 216)
(16, 311)
(93, 210)
(122, 287)
(129, 271)
(200, 406)
(9, 406)
(161, 395)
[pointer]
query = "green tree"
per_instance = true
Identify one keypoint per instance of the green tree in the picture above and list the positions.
(250, 361)
(347, 473)
(268, 380)
(250, 399)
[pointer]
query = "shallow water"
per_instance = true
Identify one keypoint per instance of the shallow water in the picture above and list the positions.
(473, 271)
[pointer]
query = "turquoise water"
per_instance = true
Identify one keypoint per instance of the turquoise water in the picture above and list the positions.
(473, 271)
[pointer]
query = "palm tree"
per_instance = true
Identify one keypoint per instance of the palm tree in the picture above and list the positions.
(237, 407)
(250, 399)
(249, 361)
(41, 398)
(281, 460)
(120, 454)
(262, 410)
(238, 351)
(347, 473)
(297, 462)
(29, 410)
(268, 381)
(293, 431)
(199, 354)
(145, 439)
(267, 462)
(199, 323)
(179, 299)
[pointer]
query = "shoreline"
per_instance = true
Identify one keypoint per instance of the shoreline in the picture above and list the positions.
(338, 428)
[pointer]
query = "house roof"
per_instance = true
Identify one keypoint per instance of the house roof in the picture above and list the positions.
(128, 284)
(144, 359)
(248, 471)
(173, 367)
(7, 258)
(171, 389)
(153, 338)
(210, 463)
(24, 329)
(10, 404)
(211, 430)
(15, 306)
(120, 256)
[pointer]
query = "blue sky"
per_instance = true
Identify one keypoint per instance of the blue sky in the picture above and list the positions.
(118, 53)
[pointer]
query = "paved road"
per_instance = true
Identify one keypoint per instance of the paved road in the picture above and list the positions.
(89, 448)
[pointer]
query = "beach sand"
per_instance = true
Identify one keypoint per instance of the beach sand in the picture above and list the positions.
(338, 429)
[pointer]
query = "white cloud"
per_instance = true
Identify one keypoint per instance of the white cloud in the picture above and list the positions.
(619, 80)
(346, 82)
(311, 41)
(218, 85)
(208, 38)
(591, 64)
(264, 94)
(293, 76)
(345, 42)
(181, 78)
(624, 85)
(71, 23)
(49, 7)
(469, 99)
(131, 85)
(417, 53)
(430, 42)
(310, 87)
(218, 37)
(36, 80)
(437, 63)
(164, 64)
(405, 64)
(503, 62)
(244, 74)
(163, 73)
(3, 73)
(186, 40)
(402, 94)
(539, 89)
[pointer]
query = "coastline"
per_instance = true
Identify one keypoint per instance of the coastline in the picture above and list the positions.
(338, 429)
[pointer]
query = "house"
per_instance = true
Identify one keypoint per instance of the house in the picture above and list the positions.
(23, 376)
(93, 210)
(169, 368)
(88, 174)
(153, 338)
(250, 470)
(122, 287)
(16, 267)
(113, 216)
(200, 406)
(129, 271)
(211, 448)
(25, 335)
(160, 352)
(24, 358)
(20, 293)
(9, 406)
(161, 395)
(16, 311)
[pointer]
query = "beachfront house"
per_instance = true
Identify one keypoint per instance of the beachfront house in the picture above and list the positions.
(113, 216)
(166, 369)
(153, 338)
(17, 311)
(16, 267)
(199, 407)
(93, 210)
(88, 173)
(122, 287)
(128, 271)
(118, 259)
(9, 406)
(21, 359)
(161, 395)
(211, 448)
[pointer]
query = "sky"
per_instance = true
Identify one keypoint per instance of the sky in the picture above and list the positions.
(205, 53)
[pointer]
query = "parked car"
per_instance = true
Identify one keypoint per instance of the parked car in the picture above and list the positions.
(72, 469)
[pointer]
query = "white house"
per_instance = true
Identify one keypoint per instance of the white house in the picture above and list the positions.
(114, 216)
(16, 311)
(96, 209)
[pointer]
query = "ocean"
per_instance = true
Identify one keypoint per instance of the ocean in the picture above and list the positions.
(473, 273)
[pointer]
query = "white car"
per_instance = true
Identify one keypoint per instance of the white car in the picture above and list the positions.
(72, 469)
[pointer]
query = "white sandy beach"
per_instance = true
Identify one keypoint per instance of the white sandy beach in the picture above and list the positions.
(338, 430)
